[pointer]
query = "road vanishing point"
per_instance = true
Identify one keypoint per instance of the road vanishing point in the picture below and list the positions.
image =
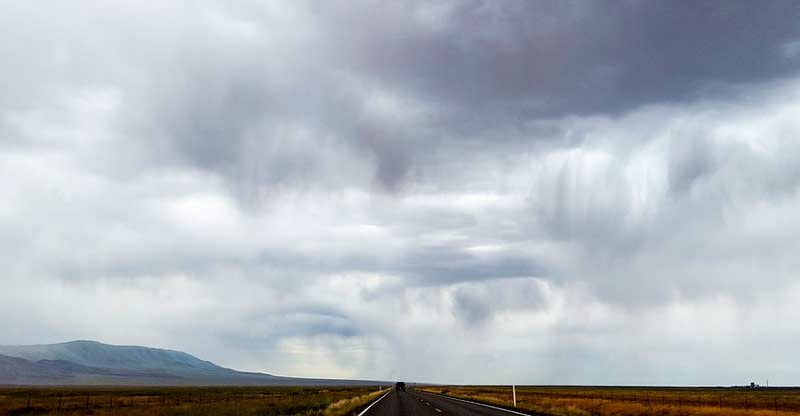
(415, 403)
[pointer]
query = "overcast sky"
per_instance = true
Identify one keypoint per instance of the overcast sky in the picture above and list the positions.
(445, 191)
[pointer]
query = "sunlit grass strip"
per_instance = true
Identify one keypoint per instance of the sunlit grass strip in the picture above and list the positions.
(345, 406)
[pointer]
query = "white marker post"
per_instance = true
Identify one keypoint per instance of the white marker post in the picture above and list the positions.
(514, 394)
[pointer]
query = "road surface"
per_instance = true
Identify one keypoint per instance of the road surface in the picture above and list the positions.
(414, 403)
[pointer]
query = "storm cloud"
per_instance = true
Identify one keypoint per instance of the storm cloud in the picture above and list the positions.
(469, 191)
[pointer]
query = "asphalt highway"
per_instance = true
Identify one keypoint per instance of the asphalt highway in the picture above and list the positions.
(414, 403)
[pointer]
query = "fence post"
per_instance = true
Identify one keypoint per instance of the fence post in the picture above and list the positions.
(29, 401)
(514, 393)
(88, 396)
(60, 398)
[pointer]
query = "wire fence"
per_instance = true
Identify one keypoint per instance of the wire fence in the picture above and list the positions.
(36, 401)
(62, 401)
(736, 400)
(647, 400)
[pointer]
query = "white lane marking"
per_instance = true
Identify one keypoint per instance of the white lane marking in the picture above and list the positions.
(484, 405)
(438, 410)
(363, 412)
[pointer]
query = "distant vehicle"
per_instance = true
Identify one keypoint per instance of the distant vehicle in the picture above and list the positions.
(400, 386)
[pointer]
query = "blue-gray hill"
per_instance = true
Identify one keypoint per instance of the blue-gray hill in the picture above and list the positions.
(91, 362)
(96, 354)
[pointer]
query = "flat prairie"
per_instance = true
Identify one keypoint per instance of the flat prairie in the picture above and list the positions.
(630, 401)
(144, 401)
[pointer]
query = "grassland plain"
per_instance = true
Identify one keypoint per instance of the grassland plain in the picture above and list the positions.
(630, 401)
(134, 401)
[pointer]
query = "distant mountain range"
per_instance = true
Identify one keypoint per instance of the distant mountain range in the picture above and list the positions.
(94, 363)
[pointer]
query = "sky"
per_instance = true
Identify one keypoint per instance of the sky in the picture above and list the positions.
(529, 192)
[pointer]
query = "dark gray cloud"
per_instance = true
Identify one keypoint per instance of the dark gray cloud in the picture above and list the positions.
(535, 58)
(272, 185)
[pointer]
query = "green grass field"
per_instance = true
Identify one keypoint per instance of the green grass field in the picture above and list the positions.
(331, 401)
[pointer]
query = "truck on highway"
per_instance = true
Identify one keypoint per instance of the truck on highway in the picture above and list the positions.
(400, 386)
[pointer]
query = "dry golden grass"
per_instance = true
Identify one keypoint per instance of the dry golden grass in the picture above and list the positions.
(345, 406)
(211, 401)
(602, 401)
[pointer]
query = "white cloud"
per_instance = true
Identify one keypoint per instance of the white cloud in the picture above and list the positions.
(268, 187)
